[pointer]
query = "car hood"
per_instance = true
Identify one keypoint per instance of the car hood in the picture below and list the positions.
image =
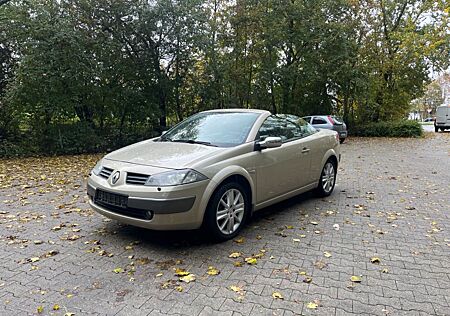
(163, 154)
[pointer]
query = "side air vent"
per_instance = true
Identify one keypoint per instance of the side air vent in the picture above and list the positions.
(105, 172)
(136, 178)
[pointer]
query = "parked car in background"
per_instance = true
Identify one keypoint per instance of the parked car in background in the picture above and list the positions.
(329, 122)
(442, 121)
(214, 169)
(428, 119)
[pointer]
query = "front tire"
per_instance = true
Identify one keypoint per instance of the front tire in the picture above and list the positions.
(436, 129)
(327, 179)
(227, 211)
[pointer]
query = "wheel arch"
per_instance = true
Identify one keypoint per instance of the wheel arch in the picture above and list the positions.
(330, 154)
(228, 174)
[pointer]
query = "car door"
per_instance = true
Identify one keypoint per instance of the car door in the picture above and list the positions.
(283, 169)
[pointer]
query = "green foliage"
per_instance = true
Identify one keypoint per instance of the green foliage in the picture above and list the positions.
(75, 71)
(402, 128)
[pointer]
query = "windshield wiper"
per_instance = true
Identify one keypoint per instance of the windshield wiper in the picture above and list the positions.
(192, 141)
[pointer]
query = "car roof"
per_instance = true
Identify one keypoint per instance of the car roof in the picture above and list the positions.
(239, 111)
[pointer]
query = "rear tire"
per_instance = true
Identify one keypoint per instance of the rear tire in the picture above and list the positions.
(227, 211)
(327, 179)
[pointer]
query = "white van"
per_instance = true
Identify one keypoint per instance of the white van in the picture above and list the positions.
(442, 118)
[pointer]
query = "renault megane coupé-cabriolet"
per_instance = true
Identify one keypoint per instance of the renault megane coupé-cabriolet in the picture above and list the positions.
(213, 170)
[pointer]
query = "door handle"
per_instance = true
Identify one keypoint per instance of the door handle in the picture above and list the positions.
(305, 150)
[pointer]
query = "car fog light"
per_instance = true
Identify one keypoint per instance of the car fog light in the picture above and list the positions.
(148, 215)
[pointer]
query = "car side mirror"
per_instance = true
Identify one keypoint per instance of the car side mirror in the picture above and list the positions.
(269, 142)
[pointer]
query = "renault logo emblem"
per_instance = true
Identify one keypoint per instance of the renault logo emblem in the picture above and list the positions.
(115, 177)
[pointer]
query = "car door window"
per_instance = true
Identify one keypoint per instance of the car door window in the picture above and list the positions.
(318, 121)
(286, 127)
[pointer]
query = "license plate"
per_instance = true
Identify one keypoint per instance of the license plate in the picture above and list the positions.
(111, 198)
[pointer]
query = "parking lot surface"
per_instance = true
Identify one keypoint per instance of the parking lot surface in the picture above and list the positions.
(380, 245)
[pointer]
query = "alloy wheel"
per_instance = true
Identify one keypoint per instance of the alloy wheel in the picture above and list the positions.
(328, 177)
(230, 211)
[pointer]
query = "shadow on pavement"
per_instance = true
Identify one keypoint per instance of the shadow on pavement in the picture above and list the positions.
(195, 238)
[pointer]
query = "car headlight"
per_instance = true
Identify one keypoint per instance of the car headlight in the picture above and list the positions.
(175, 177)
(97, 168)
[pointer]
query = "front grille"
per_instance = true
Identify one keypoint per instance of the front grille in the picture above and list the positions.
(136, 178)
(112, 199)
(105, 172)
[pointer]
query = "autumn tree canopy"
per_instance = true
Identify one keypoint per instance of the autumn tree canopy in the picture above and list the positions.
(78, 74)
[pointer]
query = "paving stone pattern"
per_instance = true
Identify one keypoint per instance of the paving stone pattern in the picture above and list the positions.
(391, 204)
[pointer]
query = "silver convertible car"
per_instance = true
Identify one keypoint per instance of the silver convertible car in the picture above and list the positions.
(213, 170)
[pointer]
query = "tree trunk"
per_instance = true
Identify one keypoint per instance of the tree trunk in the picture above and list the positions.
(272, 94)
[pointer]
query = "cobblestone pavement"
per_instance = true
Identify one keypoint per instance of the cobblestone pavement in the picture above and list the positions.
(387, 224)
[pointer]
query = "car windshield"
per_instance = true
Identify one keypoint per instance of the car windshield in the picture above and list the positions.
(221, 129)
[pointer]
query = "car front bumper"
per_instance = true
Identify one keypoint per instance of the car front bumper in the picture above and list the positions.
(165, 208)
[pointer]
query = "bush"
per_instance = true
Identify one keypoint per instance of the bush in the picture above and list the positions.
(388, 129)
(75, 138)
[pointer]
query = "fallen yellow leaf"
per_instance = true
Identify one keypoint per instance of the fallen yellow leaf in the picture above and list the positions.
(181, 272)
(179, 288)
(239, 240)
(118, 270)
(188, 278)
(307, 280)
(40, 309)
(356, 279)
(327, 254)
(311, 305)
(212, 271)
(235, 255)
(277, 295)
(375, 260)
(56, 307)
(251, 260)
(236, 289)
